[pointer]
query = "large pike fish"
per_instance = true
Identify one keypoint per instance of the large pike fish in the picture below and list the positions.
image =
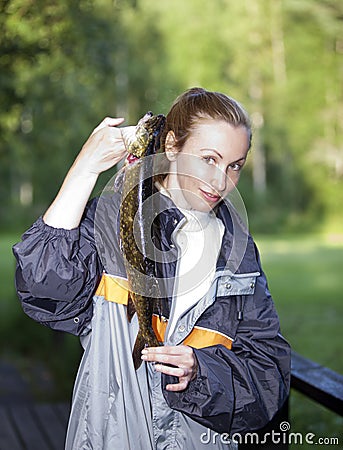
(141, 142)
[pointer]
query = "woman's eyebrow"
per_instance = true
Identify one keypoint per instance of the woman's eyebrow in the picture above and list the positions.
(220, 156)
(238, 160)
(211, 150)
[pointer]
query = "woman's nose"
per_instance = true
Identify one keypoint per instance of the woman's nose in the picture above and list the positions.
(219, 180)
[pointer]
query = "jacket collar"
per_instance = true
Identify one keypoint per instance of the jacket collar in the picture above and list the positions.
(238, 253)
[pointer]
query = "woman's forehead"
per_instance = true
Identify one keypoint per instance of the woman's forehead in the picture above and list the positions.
(214, 132)
(209, 125)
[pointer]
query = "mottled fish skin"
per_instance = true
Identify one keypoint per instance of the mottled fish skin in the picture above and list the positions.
(137, 187)
(138, 138)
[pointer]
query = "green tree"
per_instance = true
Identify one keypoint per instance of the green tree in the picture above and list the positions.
(91, 58)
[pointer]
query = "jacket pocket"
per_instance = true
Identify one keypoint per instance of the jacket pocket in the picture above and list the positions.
(236, 284)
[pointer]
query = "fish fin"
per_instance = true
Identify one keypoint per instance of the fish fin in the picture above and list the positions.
(130, 310)
(137, 351)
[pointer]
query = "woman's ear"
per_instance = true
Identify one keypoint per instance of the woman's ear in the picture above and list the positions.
(171, 150)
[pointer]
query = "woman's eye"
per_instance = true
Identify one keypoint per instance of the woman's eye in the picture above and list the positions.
(236, 167)
(209, 159)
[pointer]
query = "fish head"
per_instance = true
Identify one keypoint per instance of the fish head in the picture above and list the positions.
(139, 139)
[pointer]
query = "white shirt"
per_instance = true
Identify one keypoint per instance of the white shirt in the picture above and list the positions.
(198, 241)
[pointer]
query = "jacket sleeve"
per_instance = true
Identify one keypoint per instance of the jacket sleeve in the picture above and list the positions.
(57, 273)
(241, 389)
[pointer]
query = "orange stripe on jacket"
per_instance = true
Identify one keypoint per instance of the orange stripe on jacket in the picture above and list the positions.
(113, 289)
(198, 338)
(116, 290)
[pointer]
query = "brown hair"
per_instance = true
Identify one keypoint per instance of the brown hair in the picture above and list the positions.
(197, 103)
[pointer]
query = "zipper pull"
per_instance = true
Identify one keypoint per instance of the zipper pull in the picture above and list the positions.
(240, 308)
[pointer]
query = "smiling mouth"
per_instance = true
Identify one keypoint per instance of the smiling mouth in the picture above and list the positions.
(210, 197)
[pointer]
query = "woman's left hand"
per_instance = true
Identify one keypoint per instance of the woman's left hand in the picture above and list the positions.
(183, 363)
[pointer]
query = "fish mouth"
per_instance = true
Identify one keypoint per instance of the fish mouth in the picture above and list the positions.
(210, 197)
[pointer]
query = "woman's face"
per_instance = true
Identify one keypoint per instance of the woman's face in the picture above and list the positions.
(208, 166)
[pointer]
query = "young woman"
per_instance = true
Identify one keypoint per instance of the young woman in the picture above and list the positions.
(223, 367)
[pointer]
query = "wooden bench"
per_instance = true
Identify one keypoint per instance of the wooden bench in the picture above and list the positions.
(42, 426)
(317, 382)
(33, 426)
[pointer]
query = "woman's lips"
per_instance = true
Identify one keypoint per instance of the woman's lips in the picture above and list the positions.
(210, 197)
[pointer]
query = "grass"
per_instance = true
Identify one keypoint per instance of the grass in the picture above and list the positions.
(305, 279)
(47, 360)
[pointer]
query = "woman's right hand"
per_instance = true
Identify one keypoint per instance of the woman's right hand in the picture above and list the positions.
(103, 149)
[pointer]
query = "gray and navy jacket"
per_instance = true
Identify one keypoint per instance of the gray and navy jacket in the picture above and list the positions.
(74, 281)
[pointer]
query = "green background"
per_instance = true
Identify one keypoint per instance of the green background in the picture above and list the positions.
(66, 65)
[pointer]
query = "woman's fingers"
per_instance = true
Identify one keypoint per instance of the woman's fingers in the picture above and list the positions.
(178, 361)
(108, 122)
(180, 355)
(103, 149)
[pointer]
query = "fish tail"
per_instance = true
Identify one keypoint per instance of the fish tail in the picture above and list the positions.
(137, 350)
(141, 342)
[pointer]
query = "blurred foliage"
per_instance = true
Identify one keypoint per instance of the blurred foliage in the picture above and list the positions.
(65, 65)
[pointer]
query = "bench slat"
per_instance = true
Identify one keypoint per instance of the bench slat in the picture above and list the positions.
(318, 383)
(63, 410)
(8, 435)
(29, 430)
(50, 424)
